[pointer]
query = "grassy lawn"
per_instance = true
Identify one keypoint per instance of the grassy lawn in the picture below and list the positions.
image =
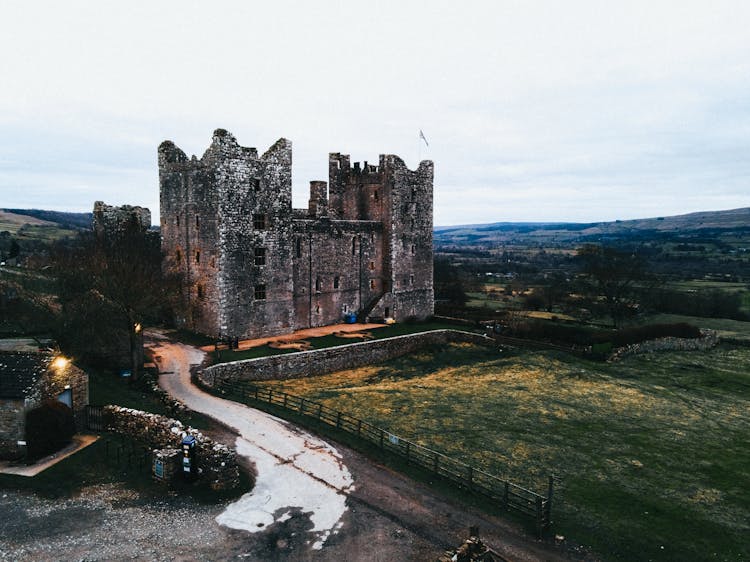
(108, 388)
(333, 341)
(652, 451)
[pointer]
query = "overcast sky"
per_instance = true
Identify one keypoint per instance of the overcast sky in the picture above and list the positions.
(534, 111)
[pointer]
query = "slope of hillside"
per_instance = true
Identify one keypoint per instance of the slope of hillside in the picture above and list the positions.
(734, 222)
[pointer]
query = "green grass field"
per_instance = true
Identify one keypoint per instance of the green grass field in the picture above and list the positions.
(652, 451)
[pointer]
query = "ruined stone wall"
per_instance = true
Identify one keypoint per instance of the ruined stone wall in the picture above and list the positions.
(110, 219)
(330, 360)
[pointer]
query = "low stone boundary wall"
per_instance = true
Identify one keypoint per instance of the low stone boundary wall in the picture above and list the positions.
(708, 339)
(217, 461)
(323, 361)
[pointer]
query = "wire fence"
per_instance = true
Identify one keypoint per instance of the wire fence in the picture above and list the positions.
(507, 495)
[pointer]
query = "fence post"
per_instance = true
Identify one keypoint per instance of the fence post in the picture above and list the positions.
(539, 525)
(302, 406)
(338, 420)
(548, 507)
(359, 427)
(286, 396)
(320, 411)
(270, 393)
(256, 392)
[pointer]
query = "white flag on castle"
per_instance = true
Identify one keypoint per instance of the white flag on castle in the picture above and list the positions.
(421, 136)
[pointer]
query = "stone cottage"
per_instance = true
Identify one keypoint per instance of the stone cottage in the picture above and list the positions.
(27, 380)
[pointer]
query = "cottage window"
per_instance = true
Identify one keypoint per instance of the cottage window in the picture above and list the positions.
(336, 282)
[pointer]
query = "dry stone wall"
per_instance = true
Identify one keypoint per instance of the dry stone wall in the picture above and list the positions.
(217, 461)
(708, 339)
(323, 361)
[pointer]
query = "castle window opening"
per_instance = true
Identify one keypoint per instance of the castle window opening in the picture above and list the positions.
(260, 256)
(372, 266)
(413, 249)
(260, 292)
(298, 248)
(372, 283)
(177, 220)
(197, 256)
(375, 195)
(317, 284)
(411, 280)
(259, 222)
(354, 245)
(413, 193)
(317, 309)
(197, 221)
(178, 255)
(346, 308)
(336, 282)
(200, 291)
(255, 184)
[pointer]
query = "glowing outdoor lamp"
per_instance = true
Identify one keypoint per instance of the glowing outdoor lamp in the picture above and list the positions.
(60, 362)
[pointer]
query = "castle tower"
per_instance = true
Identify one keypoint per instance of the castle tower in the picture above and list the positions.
(400, 284)
(226, 223)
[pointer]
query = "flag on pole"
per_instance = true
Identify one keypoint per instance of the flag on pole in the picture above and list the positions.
(421, 136)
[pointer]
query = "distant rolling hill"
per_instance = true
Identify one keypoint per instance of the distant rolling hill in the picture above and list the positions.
(734, 220)
(42, 226)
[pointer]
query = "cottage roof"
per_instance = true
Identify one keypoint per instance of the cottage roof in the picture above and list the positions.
(20, 371)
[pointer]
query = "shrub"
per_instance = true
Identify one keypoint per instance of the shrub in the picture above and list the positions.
(49, 428)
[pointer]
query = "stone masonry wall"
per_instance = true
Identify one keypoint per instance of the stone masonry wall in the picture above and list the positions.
(217, 461)
(12, 426)
(252, 266)
(330, 360)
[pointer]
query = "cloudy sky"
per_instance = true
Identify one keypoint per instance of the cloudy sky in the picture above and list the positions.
(534, 111)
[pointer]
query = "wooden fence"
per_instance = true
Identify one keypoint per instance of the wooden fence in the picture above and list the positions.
(509, 496)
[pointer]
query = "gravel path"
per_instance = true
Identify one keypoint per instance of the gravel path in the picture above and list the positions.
(296, 472)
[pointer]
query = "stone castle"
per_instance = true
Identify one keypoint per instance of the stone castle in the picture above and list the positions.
(250, 265)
